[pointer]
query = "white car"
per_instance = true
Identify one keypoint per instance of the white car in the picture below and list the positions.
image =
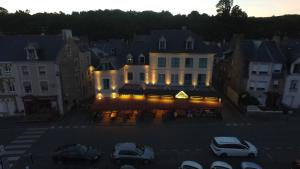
(250, 165)
(220, 165)
(190, 165)
(232, 146)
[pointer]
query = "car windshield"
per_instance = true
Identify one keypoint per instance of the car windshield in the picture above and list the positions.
(140, 148)
(82, 149)
(244, 143)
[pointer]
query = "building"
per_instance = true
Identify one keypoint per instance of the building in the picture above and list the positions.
(256, 67)
(292, 83)
(164, 67)
(40, 73)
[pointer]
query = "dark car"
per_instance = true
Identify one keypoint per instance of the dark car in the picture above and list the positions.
(76, 152)
(296, 164)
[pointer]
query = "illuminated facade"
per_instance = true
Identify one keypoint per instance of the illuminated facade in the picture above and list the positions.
(176, 59)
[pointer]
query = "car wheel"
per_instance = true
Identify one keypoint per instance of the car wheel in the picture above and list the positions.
(146, 161)
(251, 155)
(223, 155)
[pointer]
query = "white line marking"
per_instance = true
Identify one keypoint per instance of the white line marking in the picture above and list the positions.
(75, 126)
(60, 127)
(29, 136)
(83, 126)
(14, 152)
(37, 129)
(235, 124)
(67, 127)
(33, 132)
(18, 146)
(52, 127)
(23, 141)
(227, 124)
(13, 158)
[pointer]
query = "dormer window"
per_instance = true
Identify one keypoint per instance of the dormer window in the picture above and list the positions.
(141, 59)
(31, 53)
(189, 43)
(129, 59)
(162, 43)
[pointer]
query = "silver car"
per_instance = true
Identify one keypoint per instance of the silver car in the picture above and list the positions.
(132, 153)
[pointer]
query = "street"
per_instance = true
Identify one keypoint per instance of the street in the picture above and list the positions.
(173, 141)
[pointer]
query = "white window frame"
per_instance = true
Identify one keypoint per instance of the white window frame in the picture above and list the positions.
(24, 87)
(41, 86)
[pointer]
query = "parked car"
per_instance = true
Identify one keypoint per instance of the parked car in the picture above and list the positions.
(190, 165)
(127, 167)
(132, 153)
(76, 152)
(220, 165)
(232, 146)
(296, 164)
(250, 165)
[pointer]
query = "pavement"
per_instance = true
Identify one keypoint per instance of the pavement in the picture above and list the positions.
(173, 141)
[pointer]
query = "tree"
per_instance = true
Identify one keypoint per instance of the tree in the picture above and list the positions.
(237, 12)
(3, 11)
(224, 7)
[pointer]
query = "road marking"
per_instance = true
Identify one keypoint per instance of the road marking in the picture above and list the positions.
(52, 127)
(13, 158)
(75, 126)
(227, 124)
(83, 126)
(67, 127)
(29, 136)
(60, 127)
(242, 124)
(18, 146)
(248, 124)
(235, 124)
(37, 129)
(12, 152)
(23, 141)
(33, 132)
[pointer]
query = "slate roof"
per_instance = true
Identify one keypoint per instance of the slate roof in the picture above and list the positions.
(144, 44)
(261, 51)
(293, 49)
(12, 48)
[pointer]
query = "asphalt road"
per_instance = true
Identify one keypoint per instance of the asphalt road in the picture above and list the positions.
(278, 144)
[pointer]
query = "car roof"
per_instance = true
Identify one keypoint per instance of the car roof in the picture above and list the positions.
(192, 163)
(247, 164)
(125, 146)
(221, 163)
(227, 140)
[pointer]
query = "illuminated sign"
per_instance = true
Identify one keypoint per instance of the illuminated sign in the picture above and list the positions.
(181, 95)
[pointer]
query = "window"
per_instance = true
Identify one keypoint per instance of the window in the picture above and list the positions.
(175, 62)
(129, 59)
(201, 79)
(7, 68)
(42, 70)
(293, 85)
(189, 43)
(174, 78)
(105, 83)
(129, 76)
(142, 59)
(162, 43)
(25, 71)
(142, 76)
(252, 85)
(261, 85)
(27, 87)
(161, 78)
(296, 68)
(203, 63)
(161, 62)
(11, 85)
(44, 86)
(188, 79)
(189, 62)
(263, 69)
(31, 53)
(276, 68)
(275, 84)
(253, 72)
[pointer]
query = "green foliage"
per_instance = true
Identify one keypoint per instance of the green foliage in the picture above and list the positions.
(3, 11)
(224, 7)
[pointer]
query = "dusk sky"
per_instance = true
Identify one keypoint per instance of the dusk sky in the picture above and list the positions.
(252, 7)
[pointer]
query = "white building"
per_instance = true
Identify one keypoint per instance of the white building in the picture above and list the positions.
(291, 96)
